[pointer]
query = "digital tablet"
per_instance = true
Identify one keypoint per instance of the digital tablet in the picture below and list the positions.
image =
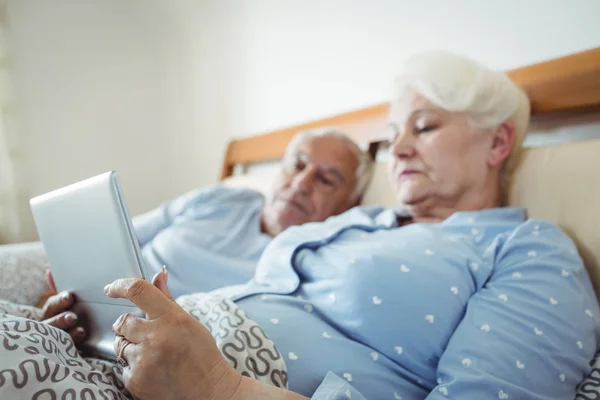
(89, 240)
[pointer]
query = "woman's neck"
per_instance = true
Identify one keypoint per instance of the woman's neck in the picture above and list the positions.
(436, 209)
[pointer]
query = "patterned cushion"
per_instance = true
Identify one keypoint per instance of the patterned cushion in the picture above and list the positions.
(589, 388)
(22, 273)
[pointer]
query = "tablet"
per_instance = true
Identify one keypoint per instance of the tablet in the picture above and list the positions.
(89, 240)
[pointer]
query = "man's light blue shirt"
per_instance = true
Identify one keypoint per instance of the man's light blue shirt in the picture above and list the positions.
(208, 238)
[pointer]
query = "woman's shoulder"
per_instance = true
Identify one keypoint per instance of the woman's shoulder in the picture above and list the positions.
(541, 231)
(540, 243)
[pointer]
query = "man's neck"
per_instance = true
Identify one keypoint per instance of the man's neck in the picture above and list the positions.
(267, 228)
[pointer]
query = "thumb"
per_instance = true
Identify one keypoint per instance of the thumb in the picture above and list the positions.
(50, 281)
(160, 281)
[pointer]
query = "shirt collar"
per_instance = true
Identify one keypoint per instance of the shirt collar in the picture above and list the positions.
(393, 217)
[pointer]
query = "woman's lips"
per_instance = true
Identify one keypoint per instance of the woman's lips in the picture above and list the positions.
(408, 173)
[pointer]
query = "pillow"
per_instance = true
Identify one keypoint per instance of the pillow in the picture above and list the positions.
(560, 184)
(379, 192)
(23, 273)
(261, 183)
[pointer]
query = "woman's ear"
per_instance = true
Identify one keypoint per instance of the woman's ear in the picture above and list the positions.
(504, 136)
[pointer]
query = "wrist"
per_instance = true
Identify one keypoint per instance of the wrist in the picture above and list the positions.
(226, 382)
(251, 389)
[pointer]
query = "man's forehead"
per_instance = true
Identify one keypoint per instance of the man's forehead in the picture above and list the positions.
(329, 151)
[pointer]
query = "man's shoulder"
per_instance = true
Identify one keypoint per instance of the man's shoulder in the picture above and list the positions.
(220, 195)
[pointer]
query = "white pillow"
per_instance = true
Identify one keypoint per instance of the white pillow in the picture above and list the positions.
(23, 273)
(380, 190)
(261, 183)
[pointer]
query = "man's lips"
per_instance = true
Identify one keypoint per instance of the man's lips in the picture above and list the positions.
(294, 203)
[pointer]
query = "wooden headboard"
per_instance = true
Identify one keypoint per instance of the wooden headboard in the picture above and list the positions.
(563, 84)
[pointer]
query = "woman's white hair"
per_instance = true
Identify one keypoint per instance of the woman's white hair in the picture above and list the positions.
(459, 84)
(364, 169)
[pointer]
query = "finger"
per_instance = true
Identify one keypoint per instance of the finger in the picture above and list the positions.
(50, 280)
(57, 304)
(127, 350)
(160, 281)
(77, 334)
(143, 294)
(131, 353)
(44, 298)
(63, 321)
(131, 328)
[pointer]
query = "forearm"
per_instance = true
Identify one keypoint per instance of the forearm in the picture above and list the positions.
(228, 384)
(251, 389)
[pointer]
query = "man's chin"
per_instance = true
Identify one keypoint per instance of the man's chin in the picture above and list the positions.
(292, 218)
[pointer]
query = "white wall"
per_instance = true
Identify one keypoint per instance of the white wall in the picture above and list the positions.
(156, 88)
(267, 64)
(92, 79)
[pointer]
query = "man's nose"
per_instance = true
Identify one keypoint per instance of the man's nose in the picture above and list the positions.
(304, 180)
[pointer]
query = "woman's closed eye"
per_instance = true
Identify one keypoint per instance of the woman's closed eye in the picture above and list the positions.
(426, 128)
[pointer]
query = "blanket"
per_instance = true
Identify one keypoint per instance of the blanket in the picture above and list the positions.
(38, 361)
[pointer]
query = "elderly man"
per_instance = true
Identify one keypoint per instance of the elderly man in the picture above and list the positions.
(210, 238)
(213, 237)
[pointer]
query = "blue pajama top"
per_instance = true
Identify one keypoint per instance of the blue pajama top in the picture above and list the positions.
(484, 305)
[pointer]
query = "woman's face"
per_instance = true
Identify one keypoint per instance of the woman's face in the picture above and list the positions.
(437, 158)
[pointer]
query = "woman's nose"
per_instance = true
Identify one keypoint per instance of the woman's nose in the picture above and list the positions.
(402, 145)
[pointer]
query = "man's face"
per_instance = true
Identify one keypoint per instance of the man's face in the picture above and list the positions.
(317, 179)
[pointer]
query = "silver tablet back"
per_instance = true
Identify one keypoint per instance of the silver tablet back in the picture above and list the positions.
(89, 239)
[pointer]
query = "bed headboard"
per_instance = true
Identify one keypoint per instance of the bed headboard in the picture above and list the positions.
(570, 83)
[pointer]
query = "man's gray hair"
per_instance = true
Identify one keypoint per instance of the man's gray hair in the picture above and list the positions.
(364, 170)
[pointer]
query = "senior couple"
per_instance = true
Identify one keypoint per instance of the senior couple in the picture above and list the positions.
(449, 295)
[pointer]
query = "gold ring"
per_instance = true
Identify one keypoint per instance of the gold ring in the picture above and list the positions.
(120, 359)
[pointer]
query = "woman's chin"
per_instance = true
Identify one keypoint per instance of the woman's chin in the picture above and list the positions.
(410, 197)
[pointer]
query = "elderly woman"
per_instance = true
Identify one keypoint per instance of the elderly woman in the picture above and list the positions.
(450, 295)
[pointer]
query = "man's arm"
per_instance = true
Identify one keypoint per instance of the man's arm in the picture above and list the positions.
(148, 225)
